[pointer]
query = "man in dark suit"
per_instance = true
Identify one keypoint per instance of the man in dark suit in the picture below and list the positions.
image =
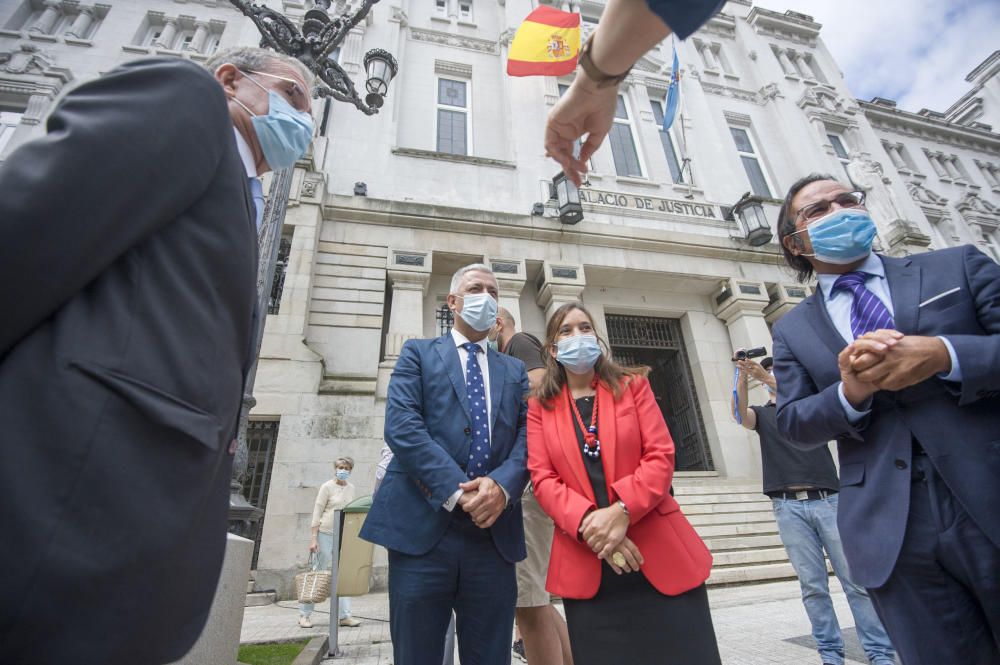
(448, 509)
(126, 338)
(898, 359)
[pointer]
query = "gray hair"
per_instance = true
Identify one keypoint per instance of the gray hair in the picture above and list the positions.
(347, 460)
(248, 58)
(456, 279)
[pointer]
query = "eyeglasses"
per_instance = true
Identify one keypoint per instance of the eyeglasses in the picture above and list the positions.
(299, 98)
(820, 208)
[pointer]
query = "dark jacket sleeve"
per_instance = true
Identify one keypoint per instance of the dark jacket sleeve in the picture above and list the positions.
(808, 417)
(979, 355)
(124, 155)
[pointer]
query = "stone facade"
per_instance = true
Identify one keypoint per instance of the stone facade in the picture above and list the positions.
(454, 170)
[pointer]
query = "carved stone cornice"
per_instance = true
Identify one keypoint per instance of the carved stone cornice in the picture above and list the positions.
(979, 211)
(906, 123)
(720, 25)
(734, 93)
(456, 41)
(790, 26)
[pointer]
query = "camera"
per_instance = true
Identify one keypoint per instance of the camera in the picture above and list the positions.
(750, 353)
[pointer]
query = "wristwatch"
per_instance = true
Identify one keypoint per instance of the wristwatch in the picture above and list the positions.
(601, 79)
(624, 508)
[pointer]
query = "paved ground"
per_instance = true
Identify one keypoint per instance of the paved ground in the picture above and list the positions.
(756, 625)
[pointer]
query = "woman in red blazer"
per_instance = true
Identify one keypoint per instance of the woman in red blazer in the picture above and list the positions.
(630, 568)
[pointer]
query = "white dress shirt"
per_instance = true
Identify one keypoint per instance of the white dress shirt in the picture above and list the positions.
(838, 305)
(484, 367)
(246, 155)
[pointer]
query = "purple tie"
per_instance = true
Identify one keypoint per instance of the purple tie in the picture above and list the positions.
(867, 312)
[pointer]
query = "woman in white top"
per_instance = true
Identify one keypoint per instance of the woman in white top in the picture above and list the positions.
(333, 495)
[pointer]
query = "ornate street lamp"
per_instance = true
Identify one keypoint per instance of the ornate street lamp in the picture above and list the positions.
(319, 37)
(749, 212)
(568, 196)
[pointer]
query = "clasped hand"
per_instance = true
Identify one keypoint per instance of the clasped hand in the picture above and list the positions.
(889, 360)
(483, 499)
(604, 529)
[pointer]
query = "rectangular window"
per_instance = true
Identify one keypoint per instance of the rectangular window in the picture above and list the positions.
(465, 10)
(8, 125)
(452, 117)
(441, 7)
(676, 173)
(840, 151)
(623, 143)
(751, 164)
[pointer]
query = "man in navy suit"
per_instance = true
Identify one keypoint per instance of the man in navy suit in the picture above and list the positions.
(898, 359)
(448, 509)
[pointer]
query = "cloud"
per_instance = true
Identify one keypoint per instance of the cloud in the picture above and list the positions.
(917, 52)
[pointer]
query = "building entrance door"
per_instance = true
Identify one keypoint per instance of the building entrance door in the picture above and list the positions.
(658, 343)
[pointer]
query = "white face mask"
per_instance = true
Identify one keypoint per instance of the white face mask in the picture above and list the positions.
(479, 310)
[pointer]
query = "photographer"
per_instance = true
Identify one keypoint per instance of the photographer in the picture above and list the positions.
(803, 486)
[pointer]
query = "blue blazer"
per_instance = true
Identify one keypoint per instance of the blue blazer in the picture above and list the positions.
(958, 424)
(427, 426)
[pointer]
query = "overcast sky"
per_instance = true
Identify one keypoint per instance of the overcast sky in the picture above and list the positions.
(916, 52)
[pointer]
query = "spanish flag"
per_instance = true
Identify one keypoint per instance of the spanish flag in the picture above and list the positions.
(546, 44)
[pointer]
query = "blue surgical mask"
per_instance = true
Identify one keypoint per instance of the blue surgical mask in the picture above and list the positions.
(479, 310)
(284, 133)
(844, 236)
(578, 354)
(343, 474)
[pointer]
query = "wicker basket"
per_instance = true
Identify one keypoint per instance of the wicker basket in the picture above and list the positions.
(313, 586)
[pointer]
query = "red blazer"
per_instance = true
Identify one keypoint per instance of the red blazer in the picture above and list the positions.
(638, 456)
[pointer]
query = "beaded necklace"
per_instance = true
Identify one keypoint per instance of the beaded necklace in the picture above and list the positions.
(591, 445)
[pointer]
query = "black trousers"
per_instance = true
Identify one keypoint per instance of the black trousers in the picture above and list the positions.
(941, 604)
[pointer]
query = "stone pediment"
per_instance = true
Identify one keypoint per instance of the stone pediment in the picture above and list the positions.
(26, 59)
(819, 99)
(978, 210)
(790, 26)
(924, 196)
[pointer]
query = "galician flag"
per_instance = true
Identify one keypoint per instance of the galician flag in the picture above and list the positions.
(673, 94)
(546, 44)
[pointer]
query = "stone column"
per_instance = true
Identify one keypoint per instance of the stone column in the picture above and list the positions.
(949, 166)
(783, 297)
(198, 40)
(562, 283)
(82, 23)
(786, 64)
(708, 56)
(166, 38)
(511, 277)
(47, 20)
(936, 163)
(895, 155)
(742, 310)
(409, 275)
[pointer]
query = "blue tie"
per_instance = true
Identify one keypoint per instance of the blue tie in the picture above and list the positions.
(479, 451)
(257, 192)
(867, 312)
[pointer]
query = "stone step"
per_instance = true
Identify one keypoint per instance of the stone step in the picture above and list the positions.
(716, 488)
(258, 598)
(750, 557)
(750, 574)
(752, 529)
(731, 543)
(717, 508)
(757, 516)
(703, 499)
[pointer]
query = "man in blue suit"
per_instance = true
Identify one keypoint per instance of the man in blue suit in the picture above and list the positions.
(898, 359)
(448, 509)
